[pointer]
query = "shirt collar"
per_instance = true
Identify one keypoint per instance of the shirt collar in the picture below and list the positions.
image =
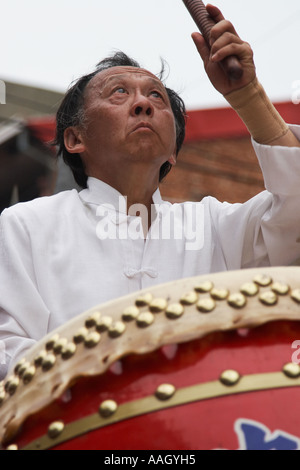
(101, 193)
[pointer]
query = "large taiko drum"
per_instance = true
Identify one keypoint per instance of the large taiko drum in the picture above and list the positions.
(202, 363)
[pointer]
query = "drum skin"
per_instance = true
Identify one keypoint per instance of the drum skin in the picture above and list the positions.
(231, 390)
(203, 424)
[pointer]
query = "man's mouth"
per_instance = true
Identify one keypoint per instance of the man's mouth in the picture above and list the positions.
(143, 126)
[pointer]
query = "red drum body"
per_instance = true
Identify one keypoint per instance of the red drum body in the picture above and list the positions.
(234, 390)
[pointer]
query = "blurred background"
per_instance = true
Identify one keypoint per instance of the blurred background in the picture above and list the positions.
(46, 45)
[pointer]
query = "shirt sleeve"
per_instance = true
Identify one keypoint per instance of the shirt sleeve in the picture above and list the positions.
(265, 231)
(23, 314)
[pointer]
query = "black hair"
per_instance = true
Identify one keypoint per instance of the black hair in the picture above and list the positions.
(71, 113)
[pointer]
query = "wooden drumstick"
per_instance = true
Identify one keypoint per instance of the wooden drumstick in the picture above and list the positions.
(203, 20)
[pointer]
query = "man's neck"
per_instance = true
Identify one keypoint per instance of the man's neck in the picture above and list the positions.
(138, 190)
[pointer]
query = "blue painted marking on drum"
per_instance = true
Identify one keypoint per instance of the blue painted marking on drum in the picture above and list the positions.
(253, 435)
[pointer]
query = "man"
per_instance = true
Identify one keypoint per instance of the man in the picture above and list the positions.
(121, 132)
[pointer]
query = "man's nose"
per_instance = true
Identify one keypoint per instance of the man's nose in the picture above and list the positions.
(142, 105)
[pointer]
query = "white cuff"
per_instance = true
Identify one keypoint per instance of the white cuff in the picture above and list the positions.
(280, 166)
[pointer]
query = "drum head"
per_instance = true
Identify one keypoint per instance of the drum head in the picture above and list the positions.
(203, 363)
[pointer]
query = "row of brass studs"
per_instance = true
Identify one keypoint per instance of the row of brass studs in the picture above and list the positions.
(46, 359)
(250, 289)
(229, 378)
(24, 371)
(108, 408)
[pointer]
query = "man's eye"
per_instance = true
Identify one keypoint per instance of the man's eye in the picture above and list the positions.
(156, 94)
(120, 90)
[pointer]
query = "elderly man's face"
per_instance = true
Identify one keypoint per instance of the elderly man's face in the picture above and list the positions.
(128, 117)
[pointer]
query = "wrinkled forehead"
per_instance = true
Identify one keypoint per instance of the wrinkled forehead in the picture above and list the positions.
(105, 76)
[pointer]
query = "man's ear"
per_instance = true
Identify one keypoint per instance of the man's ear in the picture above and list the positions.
(173, 159)
(73, 140)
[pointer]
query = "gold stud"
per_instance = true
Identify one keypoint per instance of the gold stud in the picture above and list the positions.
(108, 408)
(262, 280)
(130, 313)
(48, 362)
(190, 298)
(295, 294)
(174, 311)
(68, 351)
(6, 383)
(80, 336)
(12, 385)
(104, 324)
(12, 447)
(204, 287)
(237, 300)
(116, 329)
(145, 319)
(55, 429)
(268, 298)
(250, 289)
(50, 343)
(144, 300)
(291, 370)
(92, 320)
(19, 365)
(92, 339)
(158, 305)
(22, 368)
(39, 358)
(206, 305)
(219, 294)
(230, 378)
(280, 289)
(28, 375)
(165, 391)
(59, 345)
(2, 396)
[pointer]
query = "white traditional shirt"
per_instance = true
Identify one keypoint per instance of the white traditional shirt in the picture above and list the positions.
(64, 254)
